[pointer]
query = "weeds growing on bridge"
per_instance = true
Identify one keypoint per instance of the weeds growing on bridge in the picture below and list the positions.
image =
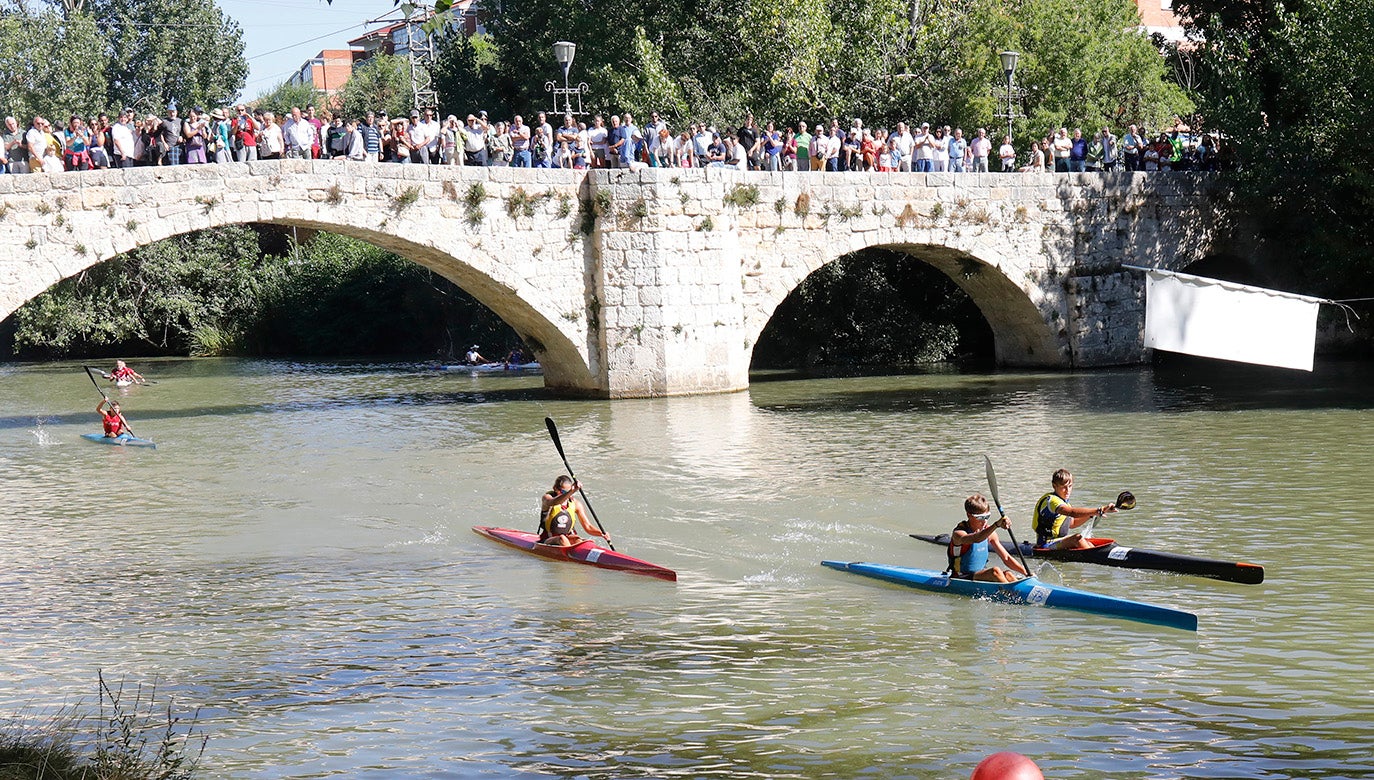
(405, 199)
(472, 203)
(134, 739)
(743, 196)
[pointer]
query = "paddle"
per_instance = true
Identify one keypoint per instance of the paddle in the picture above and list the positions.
(1125, 500)
(996, 499)
(107, 399)
(557, 443)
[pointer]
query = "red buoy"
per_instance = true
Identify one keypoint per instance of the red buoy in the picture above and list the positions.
(1006, 766)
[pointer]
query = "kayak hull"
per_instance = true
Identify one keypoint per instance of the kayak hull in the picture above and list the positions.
(1106, 552)
(496, 368)
(122, 440)
(586, 552)
(1029, 591)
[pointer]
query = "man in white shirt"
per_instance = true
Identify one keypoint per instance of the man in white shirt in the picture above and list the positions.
(1007, 154)
(299, 135)
(979, 150)
(923, 152)
(905, 146)
(432, 131)
(122, 138)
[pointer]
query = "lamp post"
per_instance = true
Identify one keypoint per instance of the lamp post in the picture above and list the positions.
(1009, 68)
(563, 53)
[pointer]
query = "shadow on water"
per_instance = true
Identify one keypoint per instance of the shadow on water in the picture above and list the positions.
(330, 405)
(1173, 384)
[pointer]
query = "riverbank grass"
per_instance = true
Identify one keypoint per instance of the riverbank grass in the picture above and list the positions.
(127, 737)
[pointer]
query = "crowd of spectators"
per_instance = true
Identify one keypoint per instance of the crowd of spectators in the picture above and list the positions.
(242, 134)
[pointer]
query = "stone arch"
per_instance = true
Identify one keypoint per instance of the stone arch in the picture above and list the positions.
(98, 223)
(1022, 335)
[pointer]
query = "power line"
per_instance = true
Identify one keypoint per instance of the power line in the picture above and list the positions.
(308, 40)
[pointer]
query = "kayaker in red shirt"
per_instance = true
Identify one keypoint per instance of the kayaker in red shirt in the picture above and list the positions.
(124, 373)
(111, 419)
(969, 543)
(559, 512)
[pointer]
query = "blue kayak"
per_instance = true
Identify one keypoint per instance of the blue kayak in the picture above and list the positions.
(497, 368)
(1029, 591)
(122, 440)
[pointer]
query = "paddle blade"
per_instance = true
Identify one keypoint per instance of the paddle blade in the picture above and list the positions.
(1126, 500)
(553, 434)
(992, 483)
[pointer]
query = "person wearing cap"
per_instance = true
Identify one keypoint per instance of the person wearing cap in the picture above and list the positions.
(923, 149)
(971, 540)
(1055, 519)
(473, 357)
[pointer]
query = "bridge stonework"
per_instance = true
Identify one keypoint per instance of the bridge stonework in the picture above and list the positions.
(659, 281)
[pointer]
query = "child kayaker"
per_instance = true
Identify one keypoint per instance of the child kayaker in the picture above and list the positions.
(111, 419)
(559, 512)
(969, 543)
(1055, 519)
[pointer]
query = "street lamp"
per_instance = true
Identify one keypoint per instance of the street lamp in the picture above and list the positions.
(563, 53)
(1009, 67)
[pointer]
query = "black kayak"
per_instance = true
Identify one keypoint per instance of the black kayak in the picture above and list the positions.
(1107, 552)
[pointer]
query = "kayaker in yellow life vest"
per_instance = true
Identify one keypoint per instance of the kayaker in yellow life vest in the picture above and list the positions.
(1054, 518)
(559, 513)
(970, 541)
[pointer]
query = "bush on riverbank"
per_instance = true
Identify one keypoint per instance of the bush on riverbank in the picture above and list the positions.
(136, 739)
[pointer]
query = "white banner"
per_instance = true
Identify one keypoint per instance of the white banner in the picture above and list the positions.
(1211, 318)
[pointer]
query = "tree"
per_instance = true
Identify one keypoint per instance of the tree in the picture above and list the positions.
(162, 52)
(379, 84)
(286, 96)
(1287, 84)
(51, 66)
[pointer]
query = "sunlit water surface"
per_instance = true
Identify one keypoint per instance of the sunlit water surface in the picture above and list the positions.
(295, 560)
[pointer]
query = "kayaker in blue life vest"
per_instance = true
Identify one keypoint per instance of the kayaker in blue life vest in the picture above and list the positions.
(559, 512)
(969, 543)
(1055, 519)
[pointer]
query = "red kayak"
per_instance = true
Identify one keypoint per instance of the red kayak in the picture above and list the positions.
(584, 552)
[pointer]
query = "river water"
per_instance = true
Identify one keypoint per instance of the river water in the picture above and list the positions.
(295, 560)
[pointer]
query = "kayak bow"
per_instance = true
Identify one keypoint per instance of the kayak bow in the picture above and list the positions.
(1029, 591)
(586, 552)
(122, 440)
(1106, 552)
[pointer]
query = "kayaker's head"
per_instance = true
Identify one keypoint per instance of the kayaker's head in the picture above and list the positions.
(119, 364)
(976, 507)
(563, 484)
(114, 407)
(1062, 481)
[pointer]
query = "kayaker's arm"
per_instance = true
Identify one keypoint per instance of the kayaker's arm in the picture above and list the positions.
(1007, 559)
(588, 525)
(1080, 515)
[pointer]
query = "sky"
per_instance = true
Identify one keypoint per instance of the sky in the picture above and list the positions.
(280, 35)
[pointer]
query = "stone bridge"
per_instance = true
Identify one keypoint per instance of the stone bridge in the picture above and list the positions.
(658, 282)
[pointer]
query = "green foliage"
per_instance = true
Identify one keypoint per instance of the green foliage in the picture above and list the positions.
(50, 66)
(467, 72)
(381, 84)
(1083, 63)
(286, 96)
(339, 296)
(162, 51)
(874, 307)
(151, 299)
(217, 292)
(1287, 84)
